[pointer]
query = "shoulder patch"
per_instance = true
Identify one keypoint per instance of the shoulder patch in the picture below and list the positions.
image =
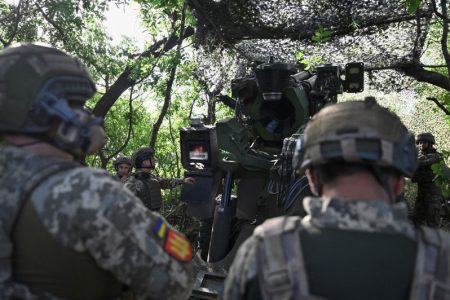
(160, 228)
(178, 246)
(174, 242)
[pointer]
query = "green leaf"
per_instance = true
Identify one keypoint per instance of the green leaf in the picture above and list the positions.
(446, 193)
(412, 5)
(355, 24)
(436, 168)
(321, 35)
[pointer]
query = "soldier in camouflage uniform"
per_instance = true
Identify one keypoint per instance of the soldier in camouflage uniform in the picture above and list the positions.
(68, 231)
(146, 185)
(123, 167)
(356, 241)
(427, 208)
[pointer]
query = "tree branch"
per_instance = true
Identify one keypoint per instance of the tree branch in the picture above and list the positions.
(398, 66)
(126, 80)
(211, 99)
(436, 11)
(164, 109)
(417, 41)
(168, 93)
(16, 22)
(418, 72)
(101, 153)
(130, 126)
(440, 105)
(444, 38)
(54, 24)
(64, 40)
(177, 157)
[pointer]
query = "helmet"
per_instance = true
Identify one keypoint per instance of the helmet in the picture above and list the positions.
(140, 155)
(425, 137)
(121, 160)
(37, 86)
(359, 132)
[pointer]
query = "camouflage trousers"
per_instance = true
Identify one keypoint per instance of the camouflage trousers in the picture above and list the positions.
(427, 210)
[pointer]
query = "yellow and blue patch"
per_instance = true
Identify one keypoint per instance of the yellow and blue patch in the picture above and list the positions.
(160, 228)
(175, 243)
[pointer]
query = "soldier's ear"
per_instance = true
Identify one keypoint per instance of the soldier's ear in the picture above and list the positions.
(310, 174)
(398, 184)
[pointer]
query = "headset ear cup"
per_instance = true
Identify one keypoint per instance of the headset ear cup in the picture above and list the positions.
(67, 134)
(97, 139)
(80, 135)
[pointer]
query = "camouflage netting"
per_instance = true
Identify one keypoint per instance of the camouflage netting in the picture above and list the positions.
(232, 35)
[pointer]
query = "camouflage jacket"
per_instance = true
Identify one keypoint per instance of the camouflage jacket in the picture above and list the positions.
(252, 262)
(121, 179)
(134, 184)
(367, 216)
(429, 157)
(87, 211)
(147, 187)
(426, 159)
(424, 175)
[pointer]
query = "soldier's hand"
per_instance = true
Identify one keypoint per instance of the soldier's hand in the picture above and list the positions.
(189, 180)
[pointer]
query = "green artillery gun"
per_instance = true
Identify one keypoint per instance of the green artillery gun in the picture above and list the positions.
(246, 159)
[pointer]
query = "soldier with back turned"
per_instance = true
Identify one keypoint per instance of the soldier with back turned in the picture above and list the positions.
(356, 241)
(69, 231)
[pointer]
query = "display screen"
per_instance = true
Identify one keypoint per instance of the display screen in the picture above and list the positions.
(198, 152)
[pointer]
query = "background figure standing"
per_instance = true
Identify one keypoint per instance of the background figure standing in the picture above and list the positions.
(428, 205)
(356, 241)
(123, 167)
(69, 231)
(146, 185)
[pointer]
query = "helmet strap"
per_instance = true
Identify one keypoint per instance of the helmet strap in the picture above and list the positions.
(32, 143)
(318, 180)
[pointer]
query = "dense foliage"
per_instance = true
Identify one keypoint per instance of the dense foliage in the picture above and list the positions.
(194, 48)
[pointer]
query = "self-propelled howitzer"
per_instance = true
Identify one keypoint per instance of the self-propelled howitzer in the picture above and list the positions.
(245, 159)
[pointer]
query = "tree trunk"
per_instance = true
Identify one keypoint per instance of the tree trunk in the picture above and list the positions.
(165, 107)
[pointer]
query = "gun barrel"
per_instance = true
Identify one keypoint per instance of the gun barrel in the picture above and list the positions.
(219, 244)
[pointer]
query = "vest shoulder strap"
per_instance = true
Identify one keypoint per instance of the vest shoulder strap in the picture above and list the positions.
(283, 275)
(432, 271)
(38, 172)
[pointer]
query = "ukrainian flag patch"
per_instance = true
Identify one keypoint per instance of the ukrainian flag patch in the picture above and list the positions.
(178, 246)
(160, 228)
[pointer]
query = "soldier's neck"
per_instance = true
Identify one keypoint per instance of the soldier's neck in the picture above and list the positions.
(36, 146)
(355, 187)
(426, 151)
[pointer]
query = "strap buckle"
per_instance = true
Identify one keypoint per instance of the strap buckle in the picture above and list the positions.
(439, 290)
(278, 281)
